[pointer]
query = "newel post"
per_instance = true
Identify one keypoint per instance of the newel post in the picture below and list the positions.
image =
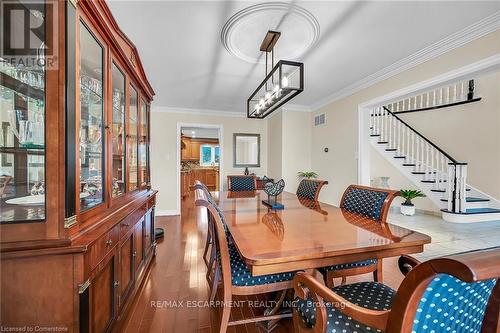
(457, 193)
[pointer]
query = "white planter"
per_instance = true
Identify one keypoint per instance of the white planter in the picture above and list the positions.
(408, 210)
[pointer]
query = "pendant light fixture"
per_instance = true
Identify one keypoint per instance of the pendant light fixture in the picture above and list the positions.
(281, 84)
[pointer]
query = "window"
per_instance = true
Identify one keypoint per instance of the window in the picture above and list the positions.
(209, 155)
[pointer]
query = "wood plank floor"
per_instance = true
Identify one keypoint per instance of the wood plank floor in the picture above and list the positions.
(173, 295)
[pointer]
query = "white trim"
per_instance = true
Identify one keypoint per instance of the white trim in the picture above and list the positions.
(220, 127)
(296, 107)
(201, 112)
(166, 212)
(479, 29)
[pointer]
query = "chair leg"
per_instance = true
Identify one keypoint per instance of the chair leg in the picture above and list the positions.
(378, 274)
(329, 280)
(205, 251)
(344, 281)
(226, 311)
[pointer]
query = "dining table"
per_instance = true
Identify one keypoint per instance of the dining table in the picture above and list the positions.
(308, 234)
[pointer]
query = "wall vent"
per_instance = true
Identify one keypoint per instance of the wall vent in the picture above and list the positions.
(320, 119)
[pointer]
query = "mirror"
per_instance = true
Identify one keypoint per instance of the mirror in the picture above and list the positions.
(246, 150)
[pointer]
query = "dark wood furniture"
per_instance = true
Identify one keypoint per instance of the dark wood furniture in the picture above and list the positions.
(373, 204)
(231, 272)
(241, 183)
(76, 261)
(261, 181)
(329, 238)
(440, 295)
(310, 188)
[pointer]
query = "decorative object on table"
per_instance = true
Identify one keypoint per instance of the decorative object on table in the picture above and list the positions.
(38, 188)
(246, 171)
(307, 175)
(281, 84)
(159, 233)
(407, 207)
(273, 190)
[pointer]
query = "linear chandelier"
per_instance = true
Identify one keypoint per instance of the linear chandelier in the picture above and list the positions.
(281, 84)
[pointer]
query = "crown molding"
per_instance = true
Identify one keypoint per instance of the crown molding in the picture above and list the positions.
(479, 29)
(201, 112)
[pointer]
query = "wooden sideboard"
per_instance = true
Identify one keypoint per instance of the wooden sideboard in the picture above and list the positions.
(77, 215)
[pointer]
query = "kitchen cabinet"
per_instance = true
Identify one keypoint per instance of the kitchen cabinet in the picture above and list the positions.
(78, 200)
(191, 151)
(185, 183)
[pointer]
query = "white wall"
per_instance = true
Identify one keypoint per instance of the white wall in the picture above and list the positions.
(340, 133)
(164, 150)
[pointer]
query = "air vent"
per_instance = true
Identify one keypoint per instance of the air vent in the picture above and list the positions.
(320, 119)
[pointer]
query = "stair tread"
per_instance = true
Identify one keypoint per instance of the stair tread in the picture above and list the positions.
(475, 211)
(409, 164)
(374, 134)
(390, 149)
(399, 156)
(441, 191)
(472, 199)
(382, 142)
(421, 172)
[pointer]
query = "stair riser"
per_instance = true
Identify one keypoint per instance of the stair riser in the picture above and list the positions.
(470, 218)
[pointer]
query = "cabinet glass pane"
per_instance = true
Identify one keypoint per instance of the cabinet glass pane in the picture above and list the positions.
(91, 120)
(22, 132)
(118, 132)
(132, 142)
(142, 145)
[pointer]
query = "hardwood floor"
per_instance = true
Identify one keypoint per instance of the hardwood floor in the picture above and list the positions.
(173, 295)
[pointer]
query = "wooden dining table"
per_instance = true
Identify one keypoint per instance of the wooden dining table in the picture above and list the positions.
(308, 234)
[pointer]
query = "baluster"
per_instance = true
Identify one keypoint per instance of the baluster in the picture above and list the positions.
(370, 122)
(417, 160)
(421, 101)
(377, 119)
(427, 148)
(391, 120)
(431, 171)
(408, 158)
(384, 125)
(451, 183)
(434, 98)
(462, 91)
(454, 92)
(443, 168)
(447, 94)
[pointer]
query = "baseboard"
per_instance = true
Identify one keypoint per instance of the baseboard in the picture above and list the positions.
(159, 212)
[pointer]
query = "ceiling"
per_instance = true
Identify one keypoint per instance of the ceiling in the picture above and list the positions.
(191, 66)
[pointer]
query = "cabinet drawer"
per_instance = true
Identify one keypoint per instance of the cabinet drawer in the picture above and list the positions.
(102, 246)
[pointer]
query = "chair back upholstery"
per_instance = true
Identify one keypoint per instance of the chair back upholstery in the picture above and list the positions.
(458, 293)
(310, 188)
(241, 183)
(367, 201)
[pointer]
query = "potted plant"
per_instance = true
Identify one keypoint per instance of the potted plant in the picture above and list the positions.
(407, 207)
(307, 174)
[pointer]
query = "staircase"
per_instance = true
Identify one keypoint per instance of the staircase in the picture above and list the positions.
(438, 175)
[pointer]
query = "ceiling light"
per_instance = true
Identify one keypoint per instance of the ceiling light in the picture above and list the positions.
(281, 84)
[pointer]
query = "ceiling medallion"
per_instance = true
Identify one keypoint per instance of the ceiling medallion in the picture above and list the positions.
(244, 29)
(284, 82)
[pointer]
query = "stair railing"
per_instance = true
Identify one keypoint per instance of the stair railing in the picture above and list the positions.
(437, 166)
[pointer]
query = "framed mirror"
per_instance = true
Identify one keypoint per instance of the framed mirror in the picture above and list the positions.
(246, 150)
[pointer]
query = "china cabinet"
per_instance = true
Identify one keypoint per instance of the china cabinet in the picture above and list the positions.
(76, 204)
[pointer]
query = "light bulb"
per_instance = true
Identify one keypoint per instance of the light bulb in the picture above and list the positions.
(256, 107)
(268, 94)
(276, 88)
(284, 81)
(261, 102)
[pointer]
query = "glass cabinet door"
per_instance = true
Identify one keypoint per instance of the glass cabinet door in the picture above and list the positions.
(132, 142)
(118, 132)
(143, 145)
(22, 135)
(91, 120)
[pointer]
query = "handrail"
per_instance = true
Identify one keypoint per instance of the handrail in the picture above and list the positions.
(423, 137)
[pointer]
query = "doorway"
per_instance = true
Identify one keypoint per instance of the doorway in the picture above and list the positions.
(199, 157)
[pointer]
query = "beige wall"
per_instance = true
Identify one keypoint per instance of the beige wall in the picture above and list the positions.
(340, 133)
(164, 150)
(275, 145)
(469, 133)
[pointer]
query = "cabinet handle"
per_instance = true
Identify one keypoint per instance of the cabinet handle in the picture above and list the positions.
(109, 242)
(116, 284)
(134, 254)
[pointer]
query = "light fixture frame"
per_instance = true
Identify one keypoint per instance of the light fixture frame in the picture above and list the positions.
(291, 92)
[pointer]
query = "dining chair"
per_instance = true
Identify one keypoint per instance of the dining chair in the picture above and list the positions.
(198, 185)
(238, 183)
(233, 274)
(310, 188)
(368, 202)
(458, 293)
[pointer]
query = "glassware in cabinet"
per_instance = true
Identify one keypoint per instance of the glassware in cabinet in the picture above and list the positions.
(143, 171)
(118, 132)
(132, 140)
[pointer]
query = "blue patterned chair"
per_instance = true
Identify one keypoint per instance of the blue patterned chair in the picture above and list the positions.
(310, 188)
(241, 183)
(366, 202)
(459, 293)
(232, 271)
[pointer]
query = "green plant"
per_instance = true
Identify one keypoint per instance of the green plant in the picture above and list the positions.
(408, 195)
(307, 174)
